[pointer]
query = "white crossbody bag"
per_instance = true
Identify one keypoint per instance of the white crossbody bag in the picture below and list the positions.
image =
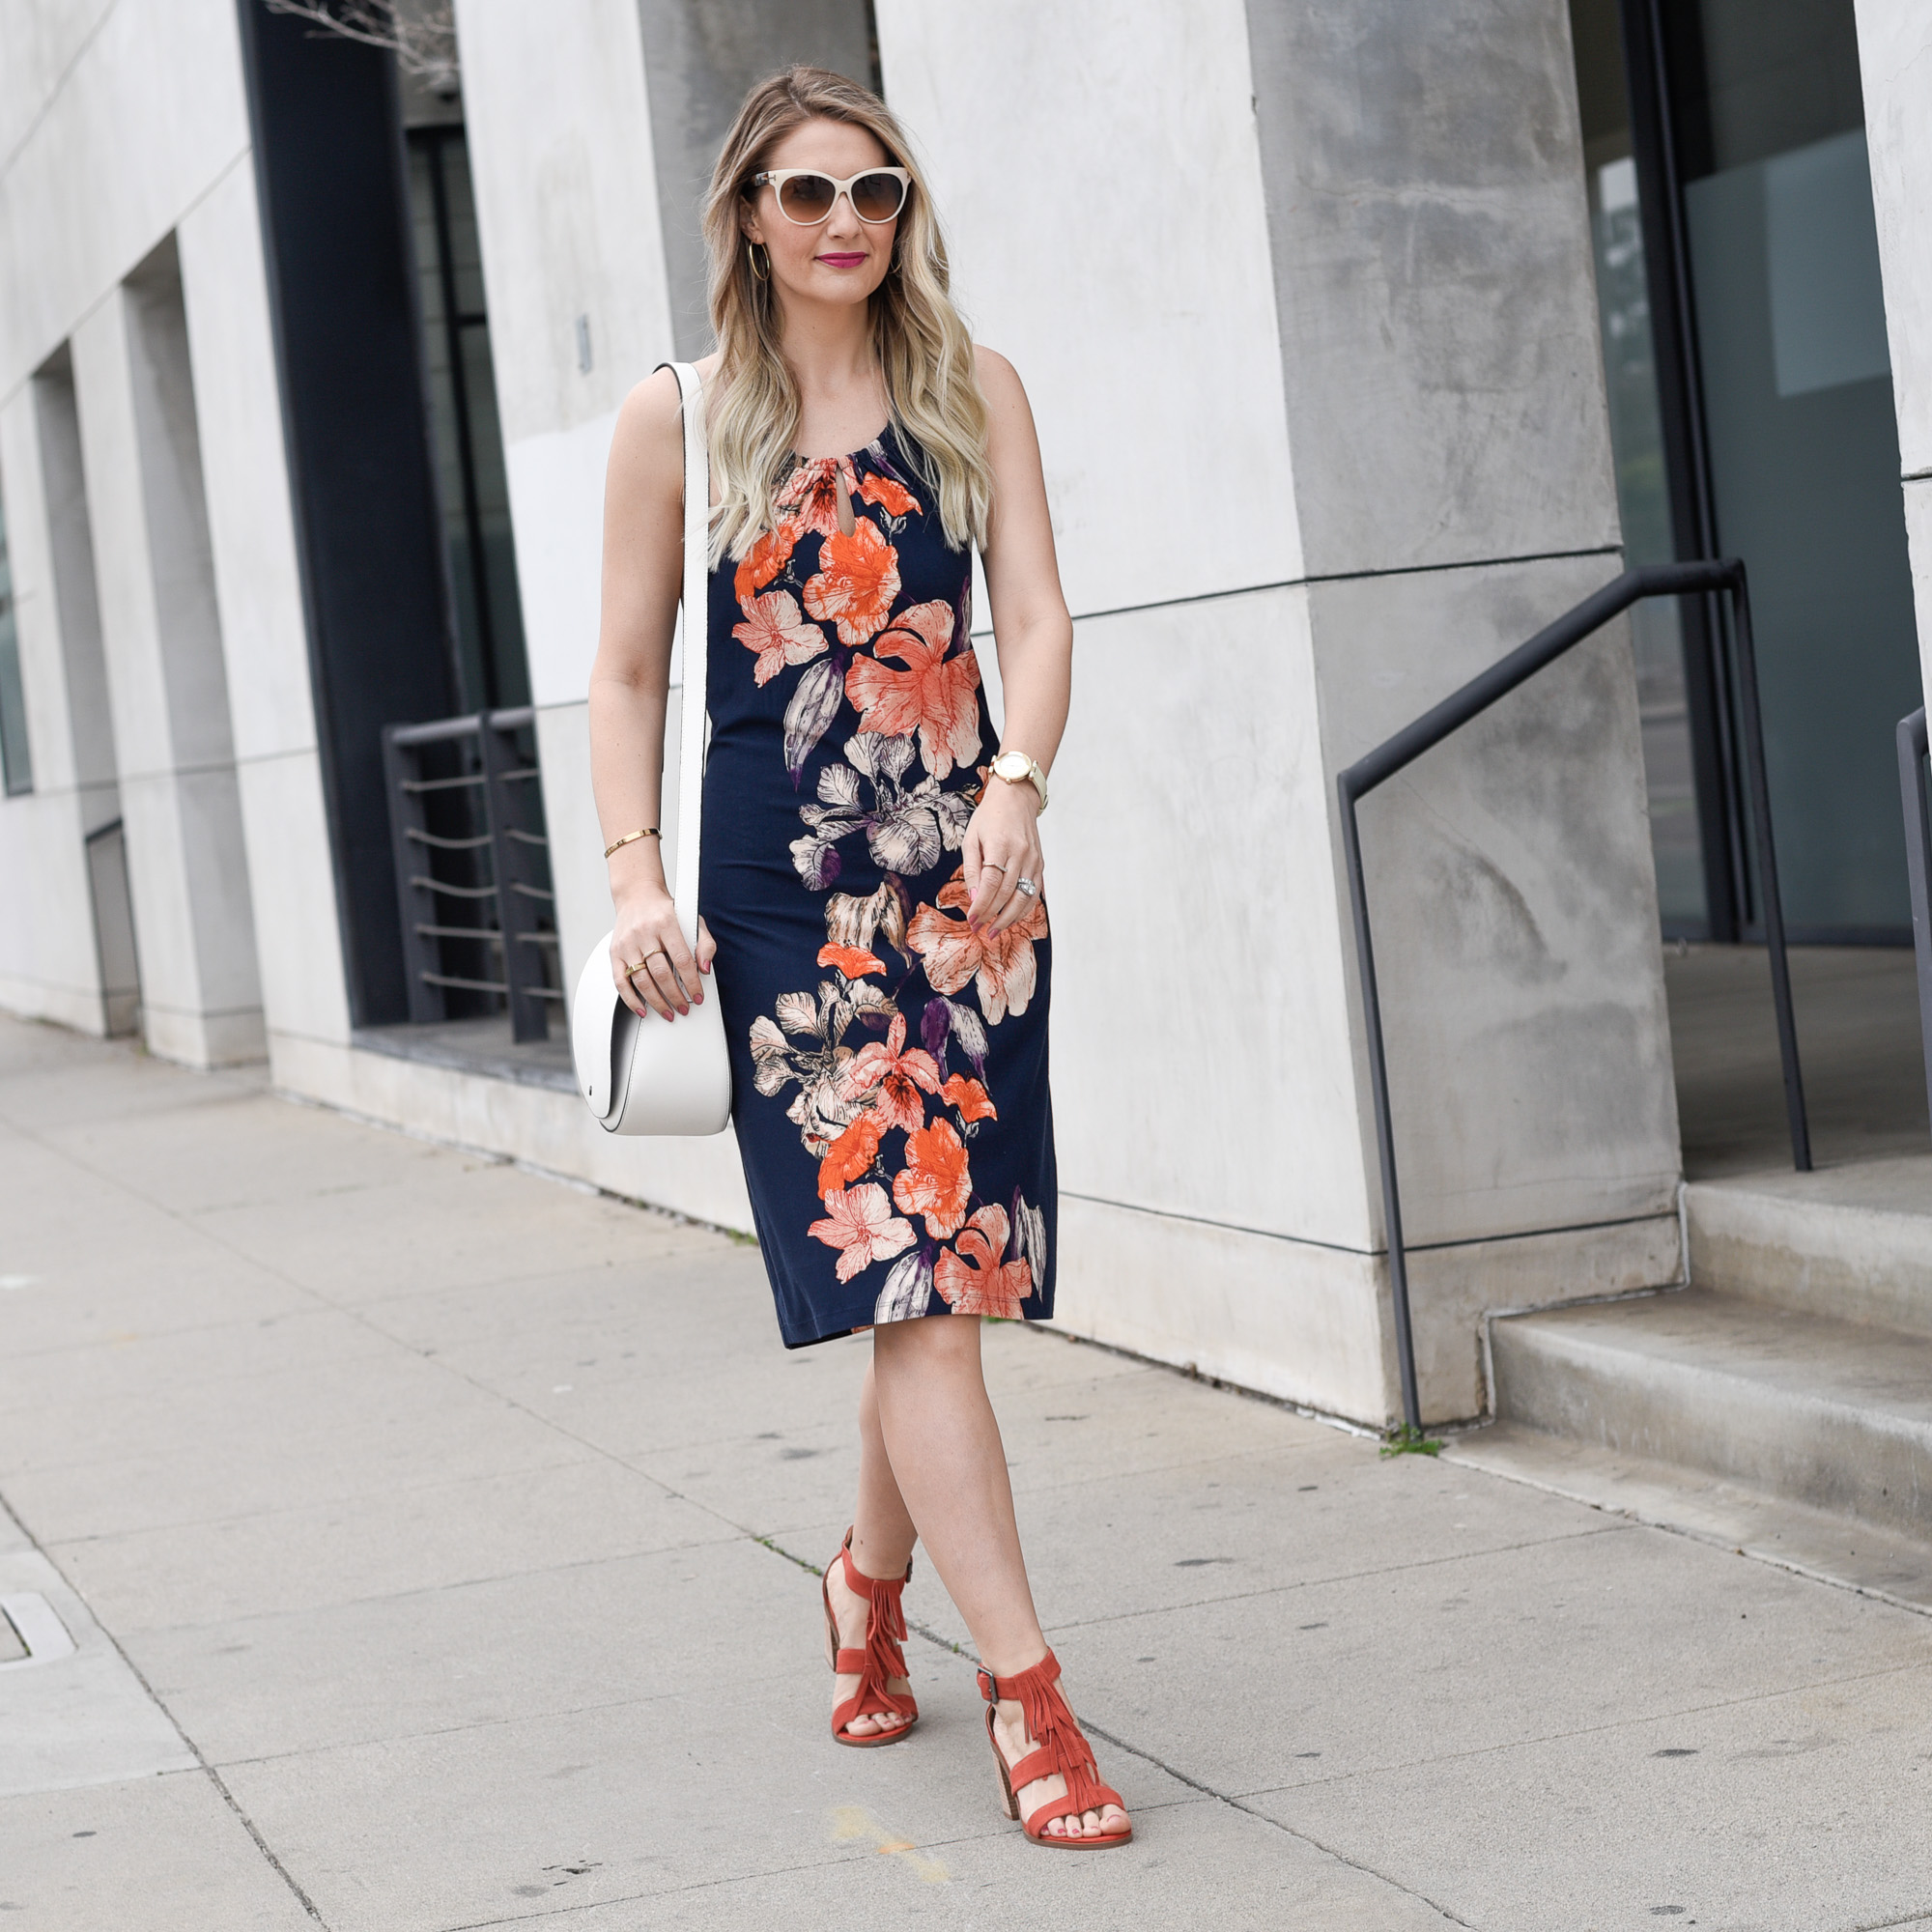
(650, 1075)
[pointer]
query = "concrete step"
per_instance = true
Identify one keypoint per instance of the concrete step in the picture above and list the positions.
(1852, 1241)
(1832, 1414)
(1878, 1562)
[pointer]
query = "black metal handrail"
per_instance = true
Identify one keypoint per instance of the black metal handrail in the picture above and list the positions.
(1663, 579)
(1912, 755)
(520, 949)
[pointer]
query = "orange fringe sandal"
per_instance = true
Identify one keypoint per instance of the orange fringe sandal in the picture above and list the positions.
(1060, 1746)
(879, 1663)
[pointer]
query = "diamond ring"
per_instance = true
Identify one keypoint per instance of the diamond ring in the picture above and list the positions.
(1027, 887)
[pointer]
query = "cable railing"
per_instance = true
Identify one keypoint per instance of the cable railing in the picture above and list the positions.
(1912, 755)
(472, 869)
(1664, 580)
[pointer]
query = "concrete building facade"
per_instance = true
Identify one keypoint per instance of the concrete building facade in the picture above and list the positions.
(1309, 304)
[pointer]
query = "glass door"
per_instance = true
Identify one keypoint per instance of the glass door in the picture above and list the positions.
(1803, 447)
(1751, 400)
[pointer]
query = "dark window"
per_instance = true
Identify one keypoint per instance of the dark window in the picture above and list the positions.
(15, 759)
(464, 424)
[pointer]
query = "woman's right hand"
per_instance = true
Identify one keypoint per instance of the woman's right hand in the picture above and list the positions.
(662, 973)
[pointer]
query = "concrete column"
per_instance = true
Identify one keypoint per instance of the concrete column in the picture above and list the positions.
(1310, 332)
(168, 689)
(67, 955)
(1895, 64)
(258, 592)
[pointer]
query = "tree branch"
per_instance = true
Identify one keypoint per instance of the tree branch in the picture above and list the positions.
(422, 35)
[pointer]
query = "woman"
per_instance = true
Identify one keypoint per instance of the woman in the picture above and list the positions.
(872, 880)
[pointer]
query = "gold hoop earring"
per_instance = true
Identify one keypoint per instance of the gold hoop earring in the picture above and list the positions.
(764, 274)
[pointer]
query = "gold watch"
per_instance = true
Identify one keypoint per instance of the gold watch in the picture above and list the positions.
(1016, 768)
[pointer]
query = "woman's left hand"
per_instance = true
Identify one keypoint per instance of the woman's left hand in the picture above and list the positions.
(1002, 848)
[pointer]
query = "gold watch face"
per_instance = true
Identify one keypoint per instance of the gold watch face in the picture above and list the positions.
(1013, 766)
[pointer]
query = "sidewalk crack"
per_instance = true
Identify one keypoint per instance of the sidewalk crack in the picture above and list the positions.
(201, 1758)
(1287, 1831)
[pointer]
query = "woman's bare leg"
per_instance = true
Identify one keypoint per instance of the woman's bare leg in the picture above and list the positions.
(939, 1436)
(882, 1540)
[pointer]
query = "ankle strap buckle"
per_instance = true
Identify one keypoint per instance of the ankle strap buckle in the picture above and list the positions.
(990, 1686)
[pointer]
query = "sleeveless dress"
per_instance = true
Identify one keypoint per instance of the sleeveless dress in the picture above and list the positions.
(889, 1065)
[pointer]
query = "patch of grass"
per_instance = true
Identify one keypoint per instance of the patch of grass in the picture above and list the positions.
(766, 1543)
(1407, 1441)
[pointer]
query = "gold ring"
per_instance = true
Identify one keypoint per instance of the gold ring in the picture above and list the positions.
(631, 971)
(663, 953)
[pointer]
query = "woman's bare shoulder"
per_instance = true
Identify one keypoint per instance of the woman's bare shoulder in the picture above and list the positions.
(1010, 416)
(997, 377)
(648, 441)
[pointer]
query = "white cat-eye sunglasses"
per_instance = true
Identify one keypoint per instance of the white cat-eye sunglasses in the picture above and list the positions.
(807, 196)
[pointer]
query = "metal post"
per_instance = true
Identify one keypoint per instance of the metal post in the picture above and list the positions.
(1665, 580)
(515, 912)
(1766, 868)
(420, 960)
(1372, 1013)
(1912, 755)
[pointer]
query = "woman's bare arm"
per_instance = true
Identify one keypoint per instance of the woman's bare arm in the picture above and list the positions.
(644, 563)
(1034, 636)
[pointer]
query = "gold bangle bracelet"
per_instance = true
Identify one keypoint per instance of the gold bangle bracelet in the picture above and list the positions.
(648, 831)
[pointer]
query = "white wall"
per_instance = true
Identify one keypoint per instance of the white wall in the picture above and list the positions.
(1097, 170)
(49, 963)
(83, 90)
(1895, 62)
(566, 199)
(124, 122)
(120, 132)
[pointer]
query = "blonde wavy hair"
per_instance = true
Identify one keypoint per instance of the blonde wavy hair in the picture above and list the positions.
(922, 348)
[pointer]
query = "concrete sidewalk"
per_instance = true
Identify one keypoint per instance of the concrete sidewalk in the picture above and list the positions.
(435, 1542)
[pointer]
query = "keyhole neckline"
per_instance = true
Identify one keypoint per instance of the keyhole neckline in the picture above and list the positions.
(842, 456)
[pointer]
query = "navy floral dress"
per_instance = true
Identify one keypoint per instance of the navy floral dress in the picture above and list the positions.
(889, 1065)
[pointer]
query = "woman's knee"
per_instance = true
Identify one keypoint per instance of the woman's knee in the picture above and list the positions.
(928, 1346)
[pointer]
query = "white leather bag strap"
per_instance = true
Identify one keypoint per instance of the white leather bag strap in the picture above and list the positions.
(696, 603)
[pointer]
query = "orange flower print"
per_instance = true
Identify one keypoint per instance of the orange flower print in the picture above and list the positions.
(850, 1156)
(812, 494)
(1002, 963)
(894, 1076)
(781, 637)
(971, 1099)
(932, 696)
(860, 1223)
(935, 1181)
(857, 577)
(854, 961)
(764, 560)
(894, 499)
(971, 1276)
